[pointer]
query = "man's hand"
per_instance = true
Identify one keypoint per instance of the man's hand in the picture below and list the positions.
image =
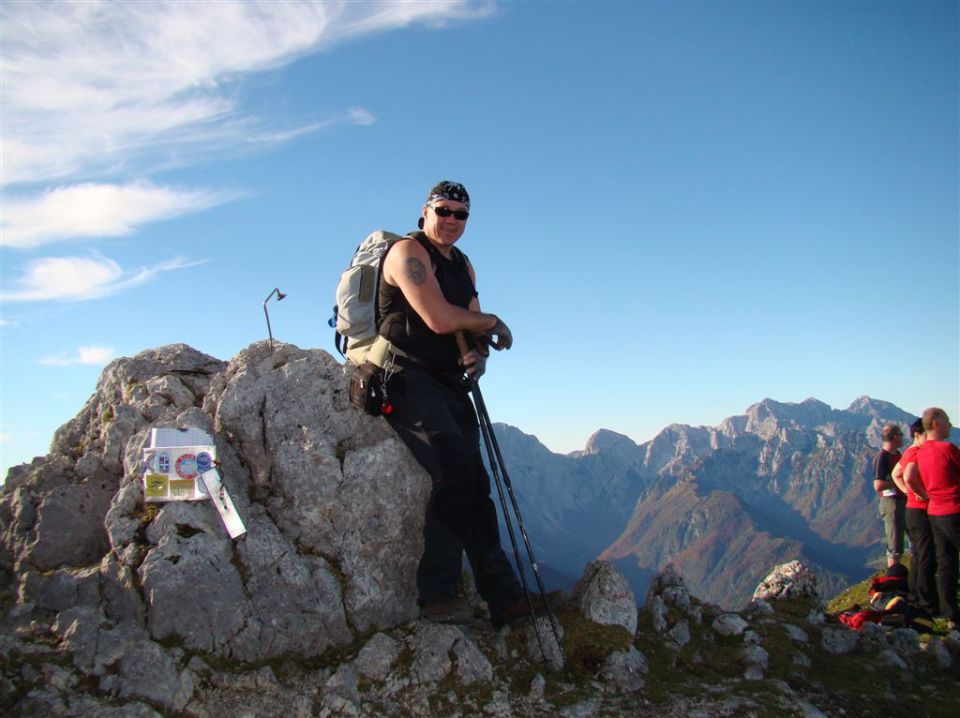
(474, 363)
(502, 332)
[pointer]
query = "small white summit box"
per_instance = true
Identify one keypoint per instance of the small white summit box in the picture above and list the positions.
(172, 462)
(180, 465)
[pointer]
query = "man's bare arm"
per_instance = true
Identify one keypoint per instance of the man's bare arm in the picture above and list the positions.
(911, 475)
(407, 266)
(897, 477)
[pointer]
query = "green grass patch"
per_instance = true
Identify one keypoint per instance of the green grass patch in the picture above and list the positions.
(587, 644)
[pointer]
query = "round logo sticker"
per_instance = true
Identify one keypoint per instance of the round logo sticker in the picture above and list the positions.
(204, 462)
(187, 466)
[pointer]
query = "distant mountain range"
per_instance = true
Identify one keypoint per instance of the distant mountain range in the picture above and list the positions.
(724, 504)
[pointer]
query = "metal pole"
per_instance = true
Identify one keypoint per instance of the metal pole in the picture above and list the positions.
(280, 295)
(497, 458)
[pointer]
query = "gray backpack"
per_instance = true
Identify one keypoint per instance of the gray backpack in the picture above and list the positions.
(355, 314)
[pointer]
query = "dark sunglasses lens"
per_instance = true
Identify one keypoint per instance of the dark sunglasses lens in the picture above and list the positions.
(460, 214)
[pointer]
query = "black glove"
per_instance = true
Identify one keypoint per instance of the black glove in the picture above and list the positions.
(502, 332)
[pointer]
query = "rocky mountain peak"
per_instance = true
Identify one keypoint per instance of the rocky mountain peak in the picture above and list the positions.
(868, 407)
(610, 442)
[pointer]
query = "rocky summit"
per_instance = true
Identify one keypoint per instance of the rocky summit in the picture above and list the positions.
(114, 606)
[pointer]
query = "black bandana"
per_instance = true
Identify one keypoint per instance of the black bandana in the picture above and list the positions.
(449, 190)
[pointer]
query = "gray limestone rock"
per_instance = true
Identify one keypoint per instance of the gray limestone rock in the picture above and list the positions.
(889, 658)
(839, 641)
(810, 711)
(938, 649)
(431, 644)
(128, 664)
(755, 661)
(790, 580)
(336, 482)
(583, 709)
(198, 565)
(59, 590)
(760, 607)
(472, 665)
(667, 578)
(377, 657)
(604, 596)
(537, 687)
(680, 634)
(343, 684)
(873, 637)
(295, 600)
(332, 500)
(69, 526)
(677, 596)
(625, 669)
(796, 633)
(144, 670)
(121, 597)
(552, 653)
(658, 614)
(729, 624)
(905, 641)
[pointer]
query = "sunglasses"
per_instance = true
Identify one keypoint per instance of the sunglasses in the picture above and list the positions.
(460, 214)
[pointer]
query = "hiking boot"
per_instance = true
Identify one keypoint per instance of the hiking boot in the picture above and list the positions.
(520, 609)
(447, 610)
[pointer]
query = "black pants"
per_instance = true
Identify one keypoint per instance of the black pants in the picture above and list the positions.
(946, 539)
(438, 423)
(923, 563)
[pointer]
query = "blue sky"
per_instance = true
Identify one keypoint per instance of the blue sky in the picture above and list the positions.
(680, 209)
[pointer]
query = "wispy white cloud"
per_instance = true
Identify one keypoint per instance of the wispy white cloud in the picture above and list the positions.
(91, 356)
(95, 210)
(89, 87)
(81, 278)
(360, 116)
(353, 116)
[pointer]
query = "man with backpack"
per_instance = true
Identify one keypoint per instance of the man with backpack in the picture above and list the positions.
(427, 297)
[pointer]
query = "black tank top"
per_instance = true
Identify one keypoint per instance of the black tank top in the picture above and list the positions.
(407, 331)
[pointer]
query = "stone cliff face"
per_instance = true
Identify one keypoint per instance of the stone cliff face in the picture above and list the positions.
(113, 607)
(332, 500)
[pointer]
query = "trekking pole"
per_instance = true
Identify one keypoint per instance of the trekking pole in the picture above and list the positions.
(485, 433)
(516, 510)
(497, 465)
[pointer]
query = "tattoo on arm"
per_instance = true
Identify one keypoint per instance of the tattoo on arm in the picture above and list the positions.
(416, 272)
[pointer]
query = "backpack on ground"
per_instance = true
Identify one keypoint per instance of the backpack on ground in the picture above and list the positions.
(890, 592)
(355, 314)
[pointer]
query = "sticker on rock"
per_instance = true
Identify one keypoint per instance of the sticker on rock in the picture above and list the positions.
(181, 489)
(155, 485)
(187, 466)
(204, 462)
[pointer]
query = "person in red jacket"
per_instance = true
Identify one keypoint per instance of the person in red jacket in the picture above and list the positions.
(923, 560)
(935, 475)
